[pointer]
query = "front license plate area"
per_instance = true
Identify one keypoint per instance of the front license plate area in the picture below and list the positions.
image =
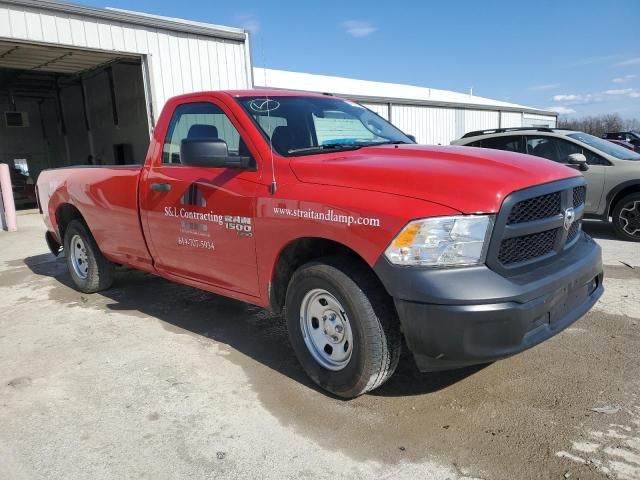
(569, 297)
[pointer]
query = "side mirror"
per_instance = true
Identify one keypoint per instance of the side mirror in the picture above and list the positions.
(412, 138)
(210, 152)
(579, 160)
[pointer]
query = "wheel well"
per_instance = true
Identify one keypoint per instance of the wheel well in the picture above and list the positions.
(66, 212)
(296, 254)
(635, 188)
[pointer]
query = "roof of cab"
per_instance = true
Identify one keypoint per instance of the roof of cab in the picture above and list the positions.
(257, 92)
(274, 92)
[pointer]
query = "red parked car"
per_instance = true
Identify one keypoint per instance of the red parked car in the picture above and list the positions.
(318, 208)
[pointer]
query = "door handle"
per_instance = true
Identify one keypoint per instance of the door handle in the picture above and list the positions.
(161, 187)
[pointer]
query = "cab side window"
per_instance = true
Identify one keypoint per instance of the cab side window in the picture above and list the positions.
(551, 148)
(510, 143)
(200, 120)
(594, 158)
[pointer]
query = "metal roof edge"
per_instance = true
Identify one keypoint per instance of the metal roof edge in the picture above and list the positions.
(426, 103)
(439, 103)
(135, 18)
(470, 105)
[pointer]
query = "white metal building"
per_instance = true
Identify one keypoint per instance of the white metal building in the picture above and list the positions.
(83, 85)
(433, 116)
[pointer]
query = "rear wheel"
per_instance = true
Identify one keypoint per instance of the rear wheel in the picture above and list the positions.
(89, 269)
(626, 217)
(342, 326)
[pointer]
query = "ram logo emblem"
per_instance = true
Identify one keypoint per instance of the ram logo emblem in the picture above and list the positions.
(569, 218)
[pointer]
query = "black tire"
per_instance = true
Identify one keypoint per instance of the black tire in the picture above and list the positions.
(100, 271)
(372, 318)
(623, 217)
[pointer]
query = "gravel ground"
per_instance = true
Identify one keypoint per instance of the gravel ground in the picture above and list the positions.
(156, 380)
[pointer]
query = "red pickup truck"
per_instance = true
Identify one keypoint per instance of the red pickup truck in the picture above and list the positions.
(316, 207)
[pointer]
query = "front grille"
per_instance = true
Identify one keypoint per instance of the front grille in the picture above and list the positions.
(535, 208)
(530, 226)
(520, 249)
(579, 194)
(573, 231)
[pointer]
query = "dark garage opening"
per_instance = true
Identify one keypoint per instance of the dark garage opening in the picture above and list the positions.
(62, 107)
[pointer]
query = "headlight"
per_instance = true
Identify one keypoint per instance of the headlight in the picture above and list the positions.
(442, 241)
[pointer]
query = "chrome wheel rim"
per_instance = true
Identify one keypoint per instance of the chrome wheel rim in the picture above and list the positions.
(79, 259)
(326, 329)
(630, 218)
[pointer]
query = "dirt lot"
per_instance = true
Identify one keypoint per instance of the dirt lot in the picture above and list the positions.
(156, 380)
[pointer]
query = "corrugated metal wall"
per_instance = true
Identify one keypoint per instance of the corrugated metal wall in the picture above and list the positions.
(480, 120)
(381, 109)
(440, 125)
(532, 120)
(430, 125)
(178, 62)
(510, 119)
(436, 125)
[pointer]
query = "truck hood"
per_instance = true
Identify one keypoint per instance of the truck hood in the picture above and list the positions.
(470, 180)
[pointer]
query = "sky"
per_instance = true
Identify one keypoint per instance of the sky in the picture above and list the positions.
(575, 57)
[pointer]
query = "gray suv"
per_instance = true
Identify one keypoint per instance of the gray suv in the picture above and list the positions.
(612, 172)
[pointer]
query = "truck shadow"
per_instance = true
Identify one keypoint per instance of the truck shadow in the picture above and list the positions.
(250, 330)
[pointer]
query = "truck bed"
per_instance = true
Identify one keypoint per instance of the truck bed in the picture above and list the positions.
(107, 198)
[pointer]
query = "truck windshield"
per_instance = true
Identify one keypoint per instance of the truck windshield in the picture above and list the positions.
(302, 125)
(605, 146)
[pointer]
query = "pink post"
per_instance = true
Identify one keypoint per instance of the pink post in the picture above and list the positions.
(9, 213)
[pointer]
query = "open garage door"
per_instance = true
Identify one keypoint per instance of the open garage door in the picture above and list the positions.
(62, 106)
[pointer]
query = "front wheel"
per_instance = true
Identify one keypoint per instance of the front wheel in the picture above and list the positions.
(626, 217)
(343, 327)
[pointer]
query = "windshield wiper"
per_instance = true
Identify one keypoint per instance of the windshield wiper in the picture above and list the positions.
(390, 142)
(330, 146)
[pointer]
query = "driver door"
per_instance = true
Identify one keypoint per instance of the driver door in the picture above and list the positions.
(199, 220)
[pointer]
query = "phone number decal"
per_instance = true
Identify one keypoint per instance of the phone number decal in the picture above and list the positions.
(195, 243)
